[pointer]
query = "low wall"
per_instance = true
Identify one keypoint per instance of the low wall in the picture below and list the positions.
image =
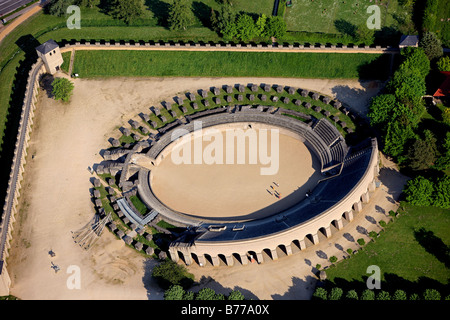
(222, 46)
(17, 169)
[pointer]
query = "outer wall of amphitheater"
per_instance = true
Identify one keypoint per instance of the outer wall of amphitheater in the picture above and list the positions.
(286, 242)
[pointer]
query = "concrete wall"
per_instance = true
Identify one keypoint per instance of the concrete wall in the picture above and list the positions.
(17, 170)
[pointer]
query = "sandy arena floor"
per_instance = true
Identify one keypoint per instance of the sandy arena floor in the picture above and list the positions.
(56, 199)
(233, 191)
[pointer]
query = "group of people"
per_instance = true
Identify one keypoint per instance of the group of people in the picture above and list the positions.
(274, 191)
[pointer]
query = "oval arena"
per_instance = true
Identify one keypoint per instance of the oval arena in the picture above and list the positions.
(232, 213)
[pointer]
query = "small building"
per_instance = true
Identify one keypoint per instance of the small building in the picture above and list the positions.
(443, 92)
(408, 41)
(51, 56)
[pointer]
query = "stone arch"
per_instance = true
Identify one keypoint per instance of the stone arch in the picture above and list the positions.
(209, 259)
(282, 250)
(309, 240)
(194, 258)
(238, 258)
(222, 259)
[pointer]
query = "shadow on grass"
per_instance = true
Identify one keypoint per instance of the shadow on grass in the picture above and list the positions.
(391, 283)
(26, 43)
(433, 245)
(160, 11)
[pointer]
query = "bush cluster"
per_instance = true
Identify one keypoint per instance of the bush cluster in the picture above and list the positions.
(176, 292)
(337, 293)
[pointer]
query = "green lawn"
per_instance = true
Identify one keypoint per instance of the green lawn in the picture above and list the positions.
(413, 252)
(91, 64)
(336, 16)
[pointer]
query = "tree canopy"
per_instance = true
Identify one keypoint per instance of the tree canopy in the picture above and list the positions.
(62, 89)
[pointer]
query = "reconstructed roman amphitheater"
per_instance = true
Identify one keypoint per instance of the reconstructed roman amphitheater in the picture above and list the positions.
(229, 214)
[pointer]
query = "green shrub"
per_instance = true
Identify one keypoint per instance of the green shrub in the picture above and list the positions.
(235, 295)
(62, 89)
(414, 296)
(335, 294)
(175, 292)
(320, 294)
(443, 64)
(367, 295)
(399, 295)
(351, 295)
(361, 241)
(169, 273)
(431, 294)
(383, 295)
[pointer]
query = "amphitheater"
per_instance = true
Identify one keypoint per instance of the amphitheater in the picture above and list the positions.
(339, 182)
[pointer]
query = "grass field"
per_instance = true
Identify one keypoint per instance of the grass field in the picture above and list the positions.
(412, 253)
(337, 16)
(91, 64)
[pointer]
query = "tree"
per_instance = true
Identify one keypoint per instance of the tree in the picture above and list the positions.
(206, 294)
(443, 161)
(180, 15)
(365, 35)
(335, 294)
(361, 242)
(62, 89)
(88, 3)
(236, 295)
(383, 295)
(367, 295)
(381, 109)
(408, 85)
(261, 24)
(446, 115)
(175, 292)
(421, 155)
(127, 10)
(169, 273)
(246, 28)
(416, 58)
(442, 193)
(443, 64)
(419, 191)
(275, 27)
(431, 294)
(225, 22)
(396, 138)
(351, 295)
(58, 7)
(333, 259)
(320, 294)
(399, 295)
(431, 45)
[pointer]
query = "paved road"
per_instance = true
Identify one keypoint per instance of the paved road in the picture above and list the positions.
(7, 6)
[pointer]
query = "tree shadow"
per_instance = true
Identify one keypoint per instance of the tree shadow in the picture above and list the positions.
(345, 27)
(209, 282)
(433, 245)
(154, 292)
(160, 11)
(27, 44)
(300, 289)
(202, 12)
(377, 69)
(391, 283)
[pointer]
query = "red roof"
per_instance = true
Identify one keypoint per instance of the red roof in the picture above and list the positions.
(444, 89)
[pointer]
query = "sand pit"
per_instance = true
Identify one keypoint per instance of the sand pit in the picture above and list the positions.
(55, 198)
(232, 191)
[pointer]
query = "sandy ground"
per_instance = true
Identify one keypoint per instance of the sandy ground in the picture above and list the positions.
(56, 198)
(233, 191)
